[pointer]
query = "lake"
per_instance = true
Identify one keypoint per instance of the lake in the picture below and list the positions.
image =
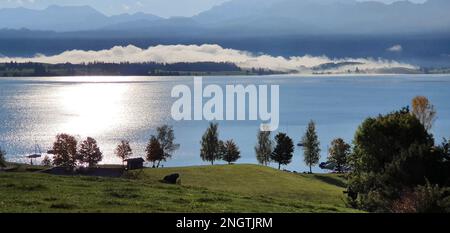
(34, 110)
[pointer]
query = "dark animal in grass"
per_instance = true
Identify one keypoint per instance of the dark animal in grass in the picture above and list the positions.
(171, 179)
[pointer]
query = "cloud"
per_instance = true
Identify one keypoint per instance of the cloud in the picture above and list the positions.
(396, 48)
(126, 7)
(210, 53)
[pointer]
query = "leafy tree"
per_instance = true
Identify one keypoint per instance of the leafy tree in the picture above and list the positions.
(391, 154)
(89, 152)
(166, 138)
(338, 154)
(424, 111)
(123, 150)
(283, 151)
(311, 146)
(231, 152)
(46, 162)
(65, 151)
(155, 152)
(2, 158)
(210, 147)
(264, 147)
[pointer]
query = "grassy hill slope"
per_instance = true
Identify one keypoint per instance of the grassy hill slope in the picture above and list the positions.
(233, 188)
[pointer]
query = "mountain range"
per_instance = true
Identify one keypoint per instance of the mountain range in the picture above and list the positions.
(65, 18)
(253, 17)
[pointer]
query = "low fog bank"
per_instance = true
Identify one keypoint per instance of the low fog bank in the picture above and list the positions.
(216, 53)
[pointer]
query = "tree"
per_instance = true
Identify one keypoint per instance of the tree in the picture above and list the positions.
(222, 150)
(338, 154)
(2, 158)
(231, 152)
(123, 150)
(424, 111)
(154, 151)
(210, 144)
(393, 153)
(311, 146)
(264, 147)
(89, 152)
(284, 149)
(166, 138)
(46, 162)
(65, 151)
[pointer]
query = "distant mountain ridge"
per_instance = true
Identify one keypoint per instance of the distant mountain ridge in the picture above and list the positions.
(64, 18)
(249, 17)
(330, 16)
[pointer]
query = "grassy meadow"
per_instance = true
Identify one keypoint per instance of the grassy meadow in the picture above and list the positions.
(216, 189)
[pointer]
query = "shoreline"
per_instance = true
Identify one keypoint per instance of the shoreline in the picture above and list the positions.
(296, 75)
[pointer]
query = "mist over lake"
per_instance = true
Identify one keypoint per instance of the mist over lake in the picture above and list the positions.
(421, 50)
(34, 110)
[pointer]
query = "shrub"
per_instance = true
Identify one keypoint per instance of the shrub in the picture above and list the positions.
(424, 199)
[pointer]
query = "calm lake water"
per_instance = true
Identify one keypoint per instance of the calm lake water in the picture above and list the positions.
(34, 110)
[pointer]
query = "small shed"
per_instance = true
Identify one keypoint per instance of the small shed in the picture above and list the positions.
(134, 163)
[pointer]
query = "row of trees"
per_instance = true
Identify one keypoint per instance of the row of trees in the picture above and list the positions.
(67, 153)
(281, 151)
(339, 151)
(160, 148)
(213, 149)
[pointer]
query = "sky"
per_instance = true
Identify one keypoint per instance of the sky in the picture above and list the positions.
(164, 8)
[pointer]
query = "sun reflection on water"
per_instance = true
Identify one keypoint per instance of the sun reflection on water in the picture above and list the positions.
(91, 109)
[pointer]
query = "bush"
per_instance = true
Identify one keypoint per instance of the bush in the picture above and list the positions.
(424, 199)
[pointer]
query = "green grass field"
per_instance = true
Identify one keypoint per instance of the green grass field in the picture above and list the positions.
(225, 188)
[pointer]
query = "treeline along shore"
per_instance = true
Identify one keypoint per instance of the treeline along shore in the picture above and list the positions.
(32, 69)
